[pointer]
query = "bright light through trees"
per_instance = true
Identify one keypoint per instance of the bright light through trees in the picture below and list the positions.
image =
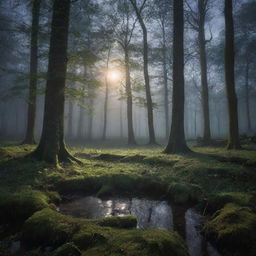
(114, 75)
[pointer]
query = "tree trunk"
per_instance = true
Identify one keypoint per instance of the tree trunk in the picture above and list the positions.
(131, 137)
(177, 143)
(152, 139)
(203, 65)
(90, 119)
(106, 99)
(233, 140)
(195, 122)
(166, 101)
(52, 147)
(31, 115)
(70, 120)
(247, 97)
(80, 130)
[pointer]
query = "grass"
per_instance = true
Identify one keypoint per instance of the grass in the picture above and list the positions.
(212, 176)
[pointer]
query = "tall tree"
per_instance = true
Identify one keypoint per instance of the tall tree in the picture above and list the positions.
(245, 40)
(197, 20)
(233, 140)
(105, 121)
(162, 9)
(177, 142)
(138, 11)
(52, 148)
(123, 34)
(31, 116)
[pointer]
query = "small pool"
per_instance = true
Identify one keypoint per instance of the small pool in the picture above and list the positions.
(149, 214)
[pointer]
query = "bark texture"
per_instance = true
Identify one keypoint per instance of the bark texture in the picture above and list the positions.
(52, 148)
(31, 115)
(202, 7)
(177, 142)
(233, 140)
(128, 88)
(152, 138)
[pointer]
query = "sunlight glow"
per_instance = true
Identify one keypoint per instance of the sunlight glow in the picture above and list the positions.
(114, 75)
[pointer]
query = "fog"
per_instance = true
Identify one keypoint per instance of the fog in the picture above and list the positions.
(96, 27)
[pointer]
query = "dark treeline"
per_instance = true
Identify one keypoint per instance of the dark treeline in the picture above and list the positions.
(142, 71)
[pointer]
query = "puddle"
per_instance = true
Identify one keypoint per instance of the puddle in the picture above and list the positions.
(149, 214)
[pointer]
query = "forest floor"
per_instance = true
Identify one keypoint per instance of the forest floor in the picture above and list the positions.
(218, 181)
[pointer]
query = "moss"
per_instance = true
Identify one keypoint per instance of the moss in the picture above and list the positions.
(105, 190)
(68, 249)
(141, 243)
(91, 235)
(118, 222)
(233, 227)
(183, 193)
(47, 228)
(217, 201)
(54, 196)
(22, 204)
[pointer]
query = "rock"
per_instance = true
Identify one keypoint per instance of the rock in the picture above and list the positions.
(233, 228)
(68, 249)
(183, 193)
(47, 228)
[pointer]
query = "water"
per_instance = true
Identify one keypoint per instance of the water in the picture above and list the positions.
(149, 214)
(197, 245)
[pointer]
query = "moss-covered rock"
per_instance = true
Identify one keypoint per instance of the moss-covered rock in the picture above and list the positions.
(48, 228)
(118, 222)
(18, 206)
(219, 200)
(54, 196)
(233, 227)
(91, 235)
(68, 249)
(182, 193)
(141, 243)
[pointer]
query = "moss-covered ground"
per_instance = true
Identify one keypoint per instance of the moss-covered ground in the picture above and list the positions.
(209, 177)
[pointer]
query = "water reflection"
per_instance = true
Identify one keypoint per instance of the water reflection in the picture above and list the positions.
(197, 246)
(149, 214)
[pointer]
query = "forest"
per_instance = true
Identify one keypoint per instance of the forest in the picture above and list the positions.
(127, 128)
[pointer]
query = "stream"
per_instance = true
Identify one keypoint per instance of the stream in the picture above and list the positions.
(149, 214)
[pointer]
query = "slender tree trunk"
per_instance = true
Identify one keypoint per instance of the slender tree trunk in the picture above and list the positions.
(203, 65)
(31, 115)
(121, 119)
(52, 147)
(247, 97)
(70, 119)
(128, 88)
(233, 140)
(106, 99)
(152, 139)
(90, 119)
(177, 143)
(80, 130)
(166, 101)
(195, 122)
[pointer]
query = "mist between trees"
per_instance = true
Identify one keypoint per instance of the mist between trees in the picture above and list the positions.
(119, 81)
